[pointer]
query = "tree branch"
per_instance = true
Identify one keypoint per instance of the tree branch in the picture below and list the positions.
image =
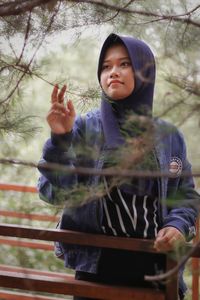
(112, 171)
(27, 67)
(23, 68)
(177, 18)
(183, 83)
(18, 7)
(174, 271)
(28, 26)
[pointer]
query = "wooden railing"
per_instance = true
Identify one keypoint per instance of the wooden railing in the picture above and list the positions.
(51, 282)
(14, 241)
(63, 284)
(196, 268)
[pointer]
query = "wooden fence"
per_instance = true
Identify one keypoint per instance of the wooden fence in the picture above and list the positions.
(38, 281)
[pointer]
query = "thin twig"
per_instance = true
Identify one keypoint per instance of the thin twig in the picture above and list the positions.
(91, 171)
(28, 26)
(173, 271)
(24, 69)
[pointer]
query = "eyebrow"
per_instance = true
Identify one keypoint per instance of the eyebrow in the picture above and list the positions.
(121, 58)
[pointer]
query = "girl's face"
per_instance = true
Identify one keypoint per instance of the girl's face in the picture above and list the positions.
(117, 77)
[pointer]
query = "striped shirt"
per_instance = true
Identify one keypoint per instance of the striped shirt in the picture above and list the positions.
(129, 215)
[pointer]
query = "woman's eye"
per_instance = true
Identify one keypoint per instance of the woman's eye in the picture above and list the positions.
(126, 63)
(104, 67)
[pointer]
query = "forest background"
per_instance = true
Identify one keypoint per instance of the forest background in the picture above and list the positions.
(44, 42)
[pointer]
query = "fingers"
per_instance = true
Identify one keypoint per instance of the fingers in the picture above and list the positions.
(58, 96)
(54, 94)
(162, 244)
(58, 108)
(60, 118)
(71, 108)
(168, 238)
(61, 94)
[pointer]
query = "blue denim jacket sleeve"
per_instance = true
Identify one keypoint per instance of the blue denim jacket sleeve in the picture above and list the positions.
(59, 149)
(184, 213)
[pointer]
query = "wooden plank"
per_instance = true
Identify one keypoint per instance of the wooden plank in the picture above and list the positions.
(82, 238)
(195, 268)
(35, 217)
(27, 271)
(10, 295)
(78, 238)
(18, 188)
(75, 287)
(26, 244)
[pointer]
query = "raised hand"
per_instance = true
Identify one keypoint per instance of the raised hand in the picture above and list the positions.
(60, 117)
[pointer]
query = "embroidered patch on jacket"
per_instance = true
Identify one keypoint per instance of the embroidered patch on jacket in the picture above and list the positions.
(175, 166)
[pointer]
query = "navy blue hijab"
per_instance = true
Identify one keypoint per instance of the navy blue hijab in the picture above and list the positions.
(140, 101)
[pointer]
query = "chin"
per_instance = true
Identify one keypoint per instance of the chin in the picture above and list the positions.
(117, 97)
(117, 94)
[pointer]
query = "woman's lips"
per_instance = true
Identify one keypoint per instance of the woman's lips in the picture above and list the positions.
(115, 82)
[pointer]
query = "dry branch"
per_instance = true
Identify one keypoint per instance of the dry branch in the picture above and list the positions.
(19, 7)
(91, 171)
(174, 271)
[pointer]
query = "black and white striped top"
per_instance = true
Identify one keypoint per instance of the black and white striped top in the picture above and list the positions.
(129, 215)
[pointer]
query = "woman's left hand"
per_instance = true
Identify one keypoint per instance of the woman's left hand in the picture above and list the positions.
(168, 238)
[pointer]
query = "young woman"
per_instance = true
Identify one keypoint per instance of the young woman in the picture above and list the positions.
(136, 207)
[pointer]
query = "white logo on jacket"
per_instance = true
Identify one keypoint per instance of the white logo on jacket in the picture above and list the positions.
(175, 166)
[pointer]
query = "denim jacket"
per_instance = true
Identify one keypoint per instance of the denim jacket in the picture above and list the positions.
(170, 151)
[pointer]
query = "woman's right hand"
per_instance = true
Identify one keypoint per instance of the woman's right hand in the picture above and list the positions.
(60, 118)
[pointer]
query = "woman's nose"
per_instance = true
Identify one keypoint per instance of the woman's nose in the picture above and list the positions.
(114, 72)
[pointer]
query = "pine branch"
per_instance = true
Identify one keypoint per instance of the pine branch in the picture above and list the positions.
(174, 271)
(112, 171)
(18, 7)
(28, 26)
(192, 88)
(173, 106)
(195, 110)
(183, 83)
(24, 68)
(27, 66)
